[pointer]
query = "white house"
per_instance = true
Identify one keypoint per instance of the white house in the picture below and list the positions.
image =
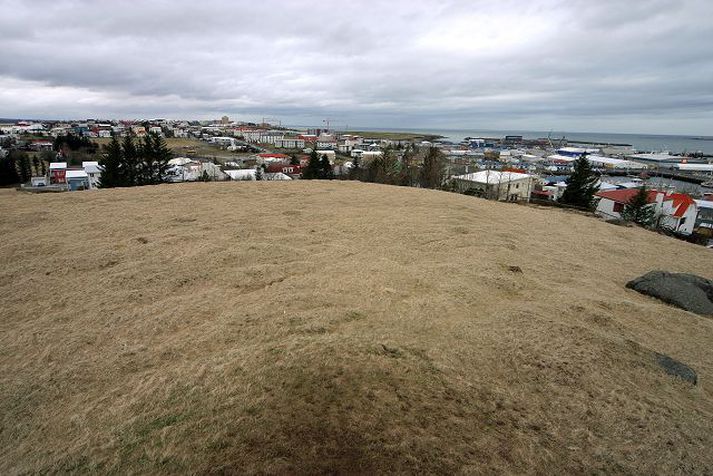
(612, 202)
(679, 212)
(93, 171)
(241, 174)
(510, 186)
(676, 211)
(331, 155)
(77, 180)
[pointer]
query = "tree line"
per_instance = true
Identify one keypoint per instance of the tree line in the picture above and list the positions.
(133, 162)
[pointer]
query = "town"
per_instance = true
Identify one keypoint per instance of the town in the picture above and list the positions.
(678, 189)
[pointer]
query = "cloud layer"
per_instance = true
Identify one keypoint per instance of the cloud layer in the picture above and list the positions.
(639, 66)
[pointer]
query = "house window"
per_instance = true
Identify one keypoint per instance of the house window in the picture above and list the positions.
(618, 207)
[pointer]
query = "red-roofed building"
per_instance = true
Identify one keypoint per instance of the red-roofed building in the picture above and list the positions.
(679, 212)
(273, 156)
(676, 211)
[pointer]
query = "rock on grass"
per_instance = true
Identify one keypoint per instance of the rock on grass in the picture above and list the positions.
(687, 291)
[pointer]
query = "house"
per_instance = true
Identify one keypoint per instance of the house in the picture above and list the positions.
(39, 181)
(331, 155)
(77, 180)
(93, 171)
(241, 174)
(612, 202)
(58, 171)
(290, 170)
(678, 213)
(704, 218)
(265, 158)
(498, 185)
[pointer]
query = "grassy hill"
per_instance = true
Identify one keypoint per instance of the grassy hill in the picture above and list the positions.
(339, 327)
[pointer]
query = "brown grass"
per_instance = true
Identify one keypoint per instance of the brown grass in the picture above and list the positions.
(339, 327)
(188, 146)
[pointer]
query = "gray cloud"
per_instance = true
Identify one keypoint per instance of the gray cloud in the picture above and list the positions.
(644, 65)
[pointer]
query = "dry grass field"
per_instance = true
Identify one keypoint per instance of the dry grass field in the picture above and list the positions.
(341, 327)
(191, 147)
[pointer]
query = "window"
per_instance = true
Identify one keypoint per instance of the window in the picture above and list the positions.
(618, 207)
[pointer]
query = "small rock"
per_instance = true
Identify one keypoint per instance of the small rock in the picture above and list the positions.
(687, 291)
(515, 269)
(676, 368)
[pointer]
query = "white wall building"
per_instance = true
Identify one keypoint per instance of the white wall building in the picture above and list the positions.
(494, 184)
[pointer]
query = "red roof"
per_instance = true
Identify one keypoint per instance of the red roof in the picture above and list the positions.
(274, 156)
(625, 195)
(681, 201)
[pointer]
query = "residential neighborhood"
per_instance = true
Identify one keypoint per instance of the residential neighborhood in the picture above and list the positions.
(67, 157)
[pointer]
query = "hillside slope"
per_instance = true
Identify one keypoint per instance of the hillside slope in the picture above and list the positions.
(339, 327)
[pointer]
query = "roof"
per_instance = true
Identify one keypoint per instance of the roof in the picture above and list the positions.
(274, 156)
(91, 167)
(681, 202)
(625, 195)
(493, 177)
(76, 174)
(58, 165)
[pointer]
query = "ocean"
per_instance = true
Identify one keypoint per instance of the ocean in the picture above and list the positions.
(641, 142)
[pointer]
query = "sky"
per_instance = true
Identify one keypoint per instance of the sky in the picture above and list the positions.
(641, 66)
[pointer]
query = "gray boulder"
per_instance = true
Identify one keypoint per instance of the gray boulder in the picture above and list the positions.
(687, 291)
(677, 369)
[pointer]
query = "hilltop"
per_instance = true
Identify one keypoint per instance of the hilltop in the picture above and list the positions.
(275, 327)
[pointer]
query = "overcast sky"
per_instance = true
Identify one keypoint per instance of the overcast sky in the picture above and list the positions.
(604, 65)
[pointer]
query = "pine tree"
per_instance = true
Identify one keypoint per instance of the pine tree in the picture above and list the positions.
(259, 175)
(8, 171)
(639, 210)
(130, 170)
(313, 167)
(294, 160)
(325, 168)
(355, 173)
(112, 163)
(159, 156)
(581, 185)
(433, 170)
(22, 162)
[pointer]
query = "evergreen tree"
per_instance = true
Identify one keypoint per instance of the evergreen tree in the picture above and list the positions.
(407, 173)
(581, 185)
(639, 210)
(163, 157)
(259, 175)
(111, 163)
(22, 163)
(8, 171)
(36, 165)
(312, 171)
(130, 170)
(384, 168)
(156, 155)
(433, 170)
(325, 168)
(355, 173)
(294, 160)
